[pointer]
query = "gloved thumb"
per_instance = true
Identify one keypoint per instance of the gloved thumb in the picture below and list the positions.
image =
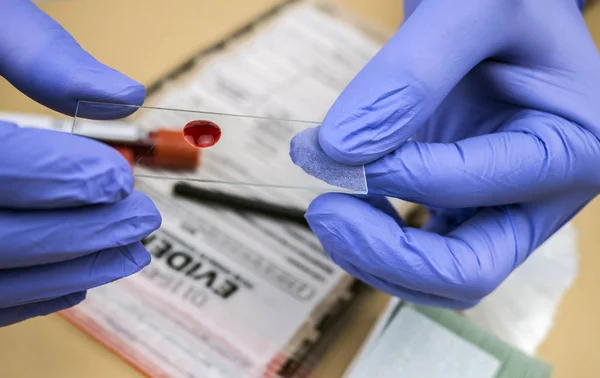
(43, 61)
(405, 82)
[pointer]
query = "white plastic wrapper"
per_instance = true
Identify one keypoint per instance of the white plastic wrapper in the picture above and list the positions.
(522, 310)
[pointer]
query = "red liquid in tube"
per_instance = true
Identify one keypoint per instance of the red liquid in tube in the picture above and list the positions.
(202, 134)
(162, 148)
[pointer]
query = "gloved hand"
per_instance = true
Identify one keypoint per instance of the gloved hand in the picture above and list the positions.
(69, 218)
(484, 111)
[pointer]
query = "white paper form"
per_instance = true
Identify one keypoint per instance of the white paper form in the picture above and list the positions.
(226, 292)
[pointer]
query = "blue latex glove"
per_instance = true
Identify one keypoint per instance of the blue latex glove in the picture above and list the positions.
(500, 100)
(69, 218)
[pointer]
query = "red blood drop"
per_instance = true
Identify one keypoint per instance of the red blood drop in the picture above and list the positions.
(202, 134)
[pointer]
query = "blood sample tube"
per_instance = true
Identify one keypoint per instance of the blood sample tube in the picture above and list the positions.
(127, 154)
(160, 148)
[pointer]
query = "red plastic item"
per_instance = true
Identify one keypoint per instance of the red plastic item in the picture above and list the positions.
(163, 148)
(127, 154)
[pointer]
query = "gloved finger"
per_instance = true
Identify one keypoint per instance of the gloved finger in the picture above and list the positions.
(363, 237)
(17, 314)
(466, 265)
(44, 169)
(442, 221)
(403, 293)
(399, 89)
(60, 235)
(43, 61)
(532, 159)
(409, 7)
(383, 204)
(43, 282)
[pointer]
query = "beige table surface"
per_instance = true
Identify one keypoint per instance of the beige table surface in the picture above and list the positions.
(142, 43)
